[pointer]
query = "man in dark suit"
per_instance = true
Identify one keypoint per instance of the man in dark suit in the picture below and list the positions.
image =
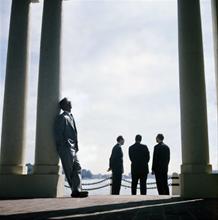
(139, 156)
(161, 158)
(67, 148)
(116, 166)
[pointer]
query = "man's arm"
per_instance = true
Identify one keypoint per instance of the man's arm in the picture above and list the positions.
(130, 154)
(115, 156)
(111, 160)
(76, 136)
(148, 155)
(154, 161)
(168, 155)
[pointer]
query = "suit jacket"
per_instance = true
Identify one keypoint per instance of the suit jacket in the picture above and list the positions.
(116, 159)
(161, 158)
(139, 156)
(66, 133)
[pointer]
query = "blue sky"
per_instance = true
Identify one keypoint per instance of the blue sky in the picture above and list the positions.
(120, 69)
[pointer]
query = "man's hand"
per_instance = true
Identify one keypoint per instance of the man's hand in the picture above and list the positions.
(76, 146)
(109, 169)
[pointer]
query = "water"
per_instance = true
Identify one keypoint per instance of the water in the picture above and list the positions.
(106, 190)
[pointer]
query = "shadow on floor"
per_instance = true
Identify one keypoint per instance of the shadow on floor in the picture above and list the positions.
(171, 209)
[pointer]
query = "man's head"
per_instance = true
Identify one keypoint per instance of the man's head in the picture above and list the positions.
(138, 138)
(65, 104)
(120, 140)
(159, 138)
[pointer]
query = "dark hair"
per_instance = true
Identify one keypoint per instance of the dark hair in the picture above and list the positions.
(119, 138)
(160, 137)
(138, 138)
(62, 103)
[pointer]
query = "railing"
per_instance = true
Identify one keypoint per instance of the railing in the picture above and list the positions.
(175, 184)
(95, 183)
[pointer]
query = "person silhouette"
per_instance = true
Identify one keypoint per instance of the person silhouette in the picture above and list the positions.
(139, 156)
(67, 148)
(161, 158)
(116, 165)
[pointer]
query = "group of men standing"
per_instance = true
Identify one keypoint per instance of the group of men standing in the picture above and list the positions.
(139, 156)
(67, 147)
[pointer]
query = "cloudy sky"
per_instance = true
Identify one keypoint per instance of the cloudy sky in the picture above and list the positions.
(120, 69)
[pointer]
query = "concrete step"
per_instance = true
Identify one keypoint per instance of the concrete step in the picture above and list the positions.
(111, 208)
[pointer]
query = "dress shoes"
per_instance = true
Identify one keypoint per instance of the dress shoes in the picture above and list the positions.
(80, 194)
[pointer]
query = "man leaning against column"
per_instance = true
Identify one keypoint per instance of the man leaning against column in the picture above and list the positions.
(67, 148)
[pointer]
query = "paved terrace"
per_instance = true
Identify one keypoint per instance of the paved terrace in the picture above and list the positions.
(111, 207)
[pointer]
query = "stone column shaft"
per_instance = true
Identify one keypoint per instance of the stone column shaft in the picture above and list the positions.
(214, 4)
(195, 153)
(13, 123)
(46, 159)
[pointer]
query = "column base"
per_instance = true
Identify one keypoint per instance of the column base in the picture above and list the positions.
(47, 169)
(199, 185)
(196, 168)
(31, 186)
(13, 169)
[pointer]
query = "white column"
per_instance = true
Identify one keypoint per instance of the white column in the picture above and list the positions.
(46, 158)
(13, 124)
(196, 179)
(214, 5)
(195, 156)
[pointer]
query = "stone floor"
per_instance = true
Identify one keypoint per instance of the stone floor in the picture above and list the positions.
(111, 208)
